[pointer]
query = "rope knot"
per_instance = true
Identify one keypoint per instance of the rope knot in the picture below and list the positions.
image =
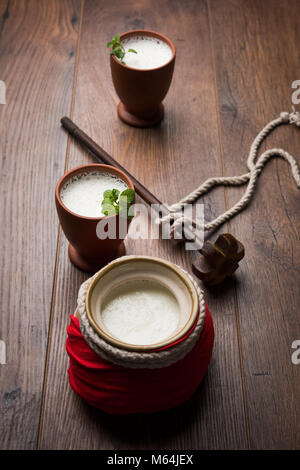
(285, 116)
(175, 221)
(294, 118)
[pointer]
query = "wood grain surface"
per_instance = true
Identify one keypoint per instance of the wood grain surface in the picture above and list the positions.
(37, 44)
(152, 156)
(257, 59)
(236, 78)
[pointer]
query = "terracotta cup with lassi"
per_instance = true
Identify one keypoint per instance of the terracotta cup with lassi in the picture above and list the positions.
(78, 198)
(143, 79)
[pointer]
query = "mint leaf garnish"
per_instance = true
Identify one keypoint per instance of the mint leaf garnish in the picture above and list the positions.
(117, 48)
(115, 203)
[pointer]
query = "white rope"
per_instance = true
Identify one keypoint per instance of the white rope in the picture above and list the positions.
(255, 168)
(132, 359)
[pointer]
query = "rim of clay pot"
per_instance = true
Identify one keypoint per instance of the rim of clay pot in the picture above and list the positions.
(147, 32)
(90, 167)
(176, 336)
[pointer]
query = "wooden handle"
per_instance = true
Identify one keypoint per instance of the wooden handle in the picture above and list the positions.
(103, 156)
(100, 153)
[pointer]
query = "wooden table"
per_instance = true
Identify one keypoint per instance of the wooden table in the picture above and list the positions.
(236, 61)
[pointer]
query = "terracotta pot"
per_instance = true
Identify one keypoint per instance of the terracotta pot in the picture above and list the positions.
(137, 268)
(141, 91)
(86, 250)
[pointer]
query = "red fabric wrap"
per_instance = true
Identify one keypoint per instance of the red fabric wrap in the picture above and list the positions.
(119, 390)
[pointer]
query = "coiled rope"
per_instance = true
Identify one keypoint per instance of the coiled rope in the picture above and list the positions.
(177, 220)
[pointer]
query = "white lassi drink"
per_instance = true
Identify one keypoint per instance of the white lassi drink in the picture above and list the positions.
(83, 193)
(151, 52)
(141, 312)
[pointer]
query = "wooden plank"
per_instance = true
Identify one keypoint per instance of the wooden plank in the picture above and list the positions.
(170, 160)
(37, 43)
(257, 59)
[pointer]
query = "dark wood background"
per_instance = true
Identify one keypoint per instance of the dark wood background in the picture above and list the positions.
(236, 61)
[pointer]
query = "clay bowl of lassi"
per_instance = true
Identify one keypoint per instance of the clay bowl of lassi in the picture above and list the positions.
(94, 239)
(142, 79)
(142, 303)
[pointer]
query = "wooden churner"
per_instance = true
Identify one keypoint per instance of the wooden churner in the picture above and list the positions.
(219, 260)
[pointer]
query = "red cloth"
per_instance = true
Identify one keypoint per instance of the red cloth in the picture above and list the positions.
(119, 390)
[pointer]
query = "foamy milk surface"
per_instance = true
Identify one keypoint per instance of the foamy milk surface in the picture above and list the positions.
(151, 52)
(141, 312)
(83, 193)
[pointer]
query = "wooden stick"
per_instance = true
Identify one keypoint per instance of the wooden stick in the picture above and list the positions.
(103, 156)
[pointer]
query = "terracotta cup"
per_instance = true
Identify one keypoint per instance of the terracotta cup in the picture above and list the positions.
(141, 91)
(86, 250)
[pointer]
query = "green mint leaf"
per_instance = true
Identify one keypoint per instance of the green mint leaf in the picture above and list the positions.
(108, 209)
(115, 194)
(115, 203)
(107, 201)
(107, 194)
(118, 48)
(126, 198)
(129, 194)
(118, 52)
